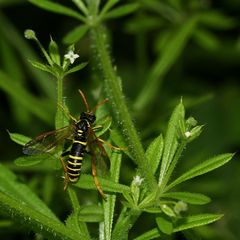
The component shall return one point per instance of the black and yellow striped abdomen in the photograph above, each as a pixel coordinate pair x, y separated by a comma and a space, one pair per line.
77, 151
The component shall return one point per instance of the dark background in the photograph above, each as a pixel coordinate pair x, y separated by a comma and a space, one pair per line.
205, 75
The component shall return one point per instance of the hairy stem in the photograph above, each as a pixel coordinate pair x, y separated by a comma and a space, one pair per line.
59, 119
114, 92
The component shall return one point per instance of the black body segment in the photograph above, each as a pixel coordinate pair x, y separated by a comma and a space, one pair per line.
77, 151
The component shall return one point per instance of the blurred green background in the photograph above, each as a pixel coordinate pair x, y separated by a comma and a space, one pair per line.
204, 72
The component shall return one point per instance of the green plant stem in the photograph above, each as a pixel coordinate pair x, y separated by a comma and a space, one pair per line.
114, 92
81, 226
124, 223
59, 120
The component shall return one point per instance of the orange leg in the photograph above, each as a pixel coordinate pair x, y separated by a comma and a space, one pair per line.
94, 174
66, 178
110, 145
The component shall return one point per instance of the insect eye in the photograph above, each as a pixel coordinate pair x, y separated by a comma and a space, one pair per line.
92, 118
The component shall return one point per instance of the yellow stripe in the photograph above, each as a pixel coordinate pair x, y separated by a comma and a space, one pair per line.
75, 157
73, 169
80, 131
83, 143
73, 180
74, 174
75, 164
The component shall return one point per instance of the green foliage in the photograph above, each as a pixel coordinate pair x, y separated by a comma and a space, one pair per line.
148, 174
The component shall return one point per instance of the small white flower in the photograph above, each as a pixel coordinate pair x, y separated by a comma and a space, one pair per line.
137, 181
71, 56
180, 206
187, 134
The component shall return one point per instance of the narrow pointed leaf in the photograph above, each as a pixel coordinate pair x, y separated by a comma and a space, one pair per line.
152, 234
76, 34
154, 153
164, 62
81, 5
76, 68
35, 220
54, 52
28, 161
203, 168
21, 193
121, 11
25, 99
171, 139
196, 221
41, 66
19, 138
206, 39
57, 8
192, 198
217, 20
109, 205
109, 4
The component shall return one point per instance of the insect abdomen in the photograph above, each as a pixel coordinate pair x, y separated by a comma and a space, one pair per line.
76, 157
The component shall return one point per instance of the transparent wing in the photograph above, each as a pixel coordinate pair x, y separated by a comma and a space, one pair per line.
99, 155
48, 141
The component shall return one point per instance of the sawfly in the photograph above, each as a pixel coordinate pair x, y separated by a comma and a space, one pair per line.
83, 140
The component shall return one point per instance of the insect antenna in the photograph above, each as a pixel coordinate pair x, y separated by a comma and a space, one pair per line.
84, 100
99, 104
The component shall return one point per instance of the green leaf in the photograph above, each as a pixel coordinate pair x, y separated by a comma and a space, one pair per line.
25, 51
206, 39
57, 8
19, 138
154, 153
202, 168
21, 192
164, 62
80, 4
192, 198
121, 11
76, 34
109, 205
41, 66
152, 234
168, 211
21, 212
86, 182
105, 124
217, 20
91, 213
76, 68
25, 99
195, 221
147, 201
54, 52
171, 140
154, 210
29, 160
119, 140
72, 221
164, 225
108, 5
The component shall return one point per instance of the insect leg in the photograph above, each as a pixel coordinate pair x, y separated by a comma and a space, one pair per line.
110, 145
94, 174
67, 113
66, 178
